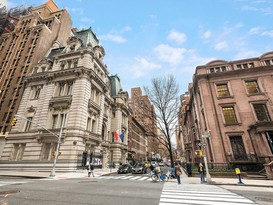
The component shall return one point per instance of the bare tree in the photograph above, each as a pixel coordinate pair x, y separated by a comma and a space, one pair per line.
163, 94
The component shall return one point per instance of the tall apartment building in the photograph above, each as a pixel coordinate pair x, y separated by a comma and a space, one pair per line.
70, 89
22, 48
144, 113
10, 18
137, 141
230, 111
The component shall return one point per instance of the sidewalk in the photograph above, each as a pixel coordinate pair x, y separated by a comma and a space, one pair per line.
102, 172
58, 175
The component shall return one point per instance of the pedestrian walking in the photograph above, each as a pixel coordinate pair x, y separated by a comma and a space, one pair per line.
201, 171
90, 169
178, 172
188, 167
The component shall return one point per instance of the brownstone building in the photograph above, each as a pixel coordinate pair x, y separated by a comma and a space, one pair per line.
137, 141
230, 111
21, 49
144, 114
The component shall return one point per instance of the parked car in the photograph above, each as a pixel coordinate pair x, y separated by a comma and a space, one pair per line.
139, 169
125, 169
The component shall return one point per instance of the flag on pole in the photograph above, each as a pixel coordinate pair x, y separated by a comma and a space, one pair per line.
115, 133
121, 136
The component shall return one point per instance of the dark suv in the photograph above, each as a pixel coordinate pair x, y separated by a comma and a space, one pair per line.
124, 169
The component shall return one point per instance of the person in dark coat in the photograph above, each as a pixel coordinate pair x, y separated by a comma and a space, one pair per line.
178, 172
188, 167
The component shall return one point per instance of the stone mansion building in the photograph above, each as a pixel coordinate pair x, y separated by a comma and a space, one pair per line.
228, 113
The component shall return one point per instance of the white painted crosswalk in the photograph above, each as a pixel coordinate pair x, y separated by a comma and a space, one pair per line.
140, 178
199, 194
5, 183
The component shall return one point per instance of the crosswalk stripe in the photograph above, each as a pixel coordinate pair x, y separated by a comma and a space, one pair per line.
4, 183
173, 194
200, 194
134, 178
209, 198
140, 178
168, 201
143, 178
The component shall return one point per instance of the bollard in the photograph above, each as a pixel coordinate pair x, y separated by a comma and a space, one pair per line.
238, 173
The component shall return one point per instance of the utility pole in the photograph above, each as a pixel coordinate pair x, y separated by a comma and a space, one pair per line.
52, 174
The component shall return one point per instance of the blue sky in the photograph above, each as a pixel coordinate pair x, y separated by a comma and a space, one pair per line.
149, 38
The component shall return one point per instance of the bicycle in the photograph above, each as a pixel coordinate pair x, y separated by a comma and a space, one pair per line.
155, 177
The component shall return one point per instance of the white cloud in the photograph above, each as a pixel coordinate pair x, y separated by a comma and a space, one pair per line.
256, 9
114, 38
86, 20
254, 30
169, 54
267, 33
142, 67
243, 54
177, 36
222, 45
153, 16
125, 29
75, 10
206, 34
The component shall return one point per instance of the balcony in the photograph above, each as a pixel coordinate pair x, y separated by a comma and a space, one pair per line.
60, 101
93, 106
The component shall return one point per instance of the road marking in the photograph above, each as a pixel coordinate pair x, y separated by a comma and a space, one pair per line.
175, 194
5, 183
134, 178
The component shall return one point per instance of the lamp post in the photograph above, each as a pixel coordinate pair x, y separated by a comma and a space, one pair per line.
203, 145
52, 174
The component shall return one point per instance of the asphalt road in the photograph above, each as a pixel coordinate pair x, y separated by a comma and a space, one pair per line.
81, 191
260, 195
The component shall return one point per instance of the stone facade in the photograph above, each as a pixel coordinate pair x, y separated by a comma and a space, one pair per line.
230, 111
22, 48
69, 91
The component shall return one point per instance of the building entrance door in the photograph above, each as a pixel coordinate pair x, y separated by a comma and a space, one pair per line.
238, 148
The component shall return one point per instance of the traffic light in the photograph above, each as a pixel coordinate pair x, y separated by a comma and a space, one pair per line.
198, 153
13, 121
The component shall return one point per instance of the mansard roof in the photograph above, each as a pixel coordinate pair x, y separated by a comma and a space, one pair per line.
87, 36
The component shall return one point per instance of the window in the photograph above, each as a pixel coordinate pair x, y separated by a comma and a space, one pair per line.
28, 124
252, 87
269, 137
37, 91
18, 151
88, 126
93, 125
229, 115
57, 120
69, 89
238, 147
222, 90
261, 112
48, 151
61, 89
54, 121
267, 62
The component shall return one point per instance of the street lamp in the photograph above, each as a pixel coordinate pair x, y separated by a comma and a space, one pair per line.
52, 174
203, 145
